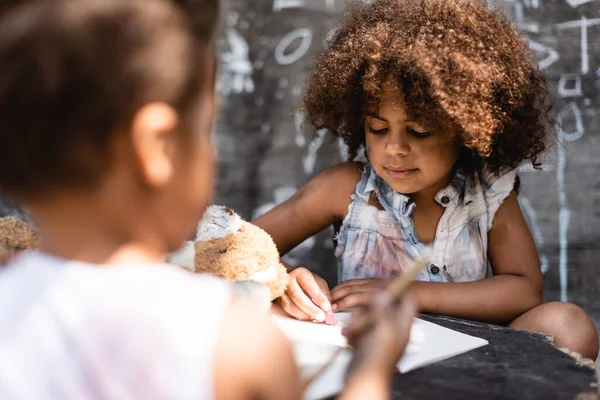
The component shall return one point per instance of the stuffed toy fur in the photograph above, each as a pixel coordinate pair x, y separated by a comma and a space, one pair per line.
16, 236
229, 247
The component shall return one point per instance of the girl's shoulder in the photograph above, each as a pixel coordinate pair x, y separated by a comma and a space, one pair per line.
347, 172
338, 183
339, 179
495, 189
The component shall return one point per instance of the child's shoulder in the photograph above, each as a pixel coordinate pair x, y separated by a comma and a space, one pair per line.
344, 175
332, 189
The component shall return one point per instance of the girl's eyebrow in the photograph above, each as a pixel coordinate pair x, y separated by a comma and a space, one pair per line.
374, 115
377, 116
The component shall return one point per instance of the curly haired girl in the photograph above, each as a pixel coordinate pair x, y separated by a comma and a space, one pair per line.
447, 100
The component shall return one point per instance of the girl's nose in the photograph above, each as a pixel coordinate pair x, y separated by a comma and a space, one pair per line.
397, 144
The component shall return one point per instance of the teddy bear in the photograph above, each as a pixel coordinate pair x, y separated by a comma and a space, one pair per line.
16, 236
229, 247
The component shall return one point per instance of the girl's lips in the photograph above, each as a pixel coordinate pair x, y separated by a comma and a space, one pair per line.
400, 173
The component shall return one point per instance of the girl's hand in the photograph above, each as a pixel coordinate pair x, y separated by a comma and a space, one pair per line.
356, 292
381, 345
307, 296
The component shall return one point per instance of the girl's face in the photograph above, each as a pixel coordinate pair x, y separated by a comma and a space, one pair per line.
407, 154
193, 161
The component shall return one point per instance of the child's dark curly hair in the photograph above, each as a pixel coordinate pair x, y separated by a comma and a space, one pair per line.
462, 69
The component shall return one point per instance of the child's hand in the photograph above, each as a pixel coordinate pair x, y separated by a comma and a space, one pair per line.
356, 292
307, 296
381, 345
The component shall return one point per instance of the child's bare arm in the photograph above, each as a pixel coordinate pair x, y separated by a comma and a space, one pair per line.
516, 286
315, 206
319, 203
253, 360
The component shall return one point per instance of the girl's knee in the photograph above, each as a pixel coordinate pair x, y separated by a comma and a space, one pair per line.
570, 326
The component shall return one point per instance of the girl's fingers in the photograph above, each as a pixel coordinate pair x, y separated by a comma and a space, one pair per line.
353, 299
366, 285
299, 295
354, 282
324, 287
308, 284
292, 309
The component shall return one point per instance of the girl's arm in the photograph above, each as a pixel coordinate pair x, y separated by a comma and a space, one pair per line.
323, 200
315, 206
260, 365
252, 359
516, 286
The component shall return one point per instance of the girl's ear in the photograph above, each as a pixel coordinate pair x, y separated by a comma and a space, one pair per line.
152, 135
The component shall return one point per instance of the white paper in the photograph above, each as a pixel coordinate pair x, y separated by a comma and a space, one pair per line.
314, 343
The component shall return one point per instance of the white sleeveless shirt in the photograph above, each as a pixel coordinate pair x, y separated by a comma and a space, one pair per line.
70, 330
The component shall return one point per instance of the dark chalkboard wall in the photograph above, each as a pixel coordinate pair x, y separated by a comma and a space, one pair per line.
265, 152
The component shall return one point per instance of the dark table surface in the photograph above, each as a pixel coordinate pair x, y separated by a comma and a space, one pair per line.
514, 365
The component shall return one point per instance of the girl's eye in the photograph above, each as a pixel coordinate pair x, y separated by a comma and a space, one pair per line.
378, 131
419, 134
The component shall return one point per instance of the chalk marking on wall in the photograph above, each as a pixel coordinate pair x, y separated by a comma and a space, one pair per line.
232, 18
344, 150
583, 24
535, 228
298, 122
265, 128
236, 76
279, 5
564, 216
571, 108
551, 57
258, 64
328, 36
519, 18
564, 81
305, 35
532, 3
311, 156
577, 3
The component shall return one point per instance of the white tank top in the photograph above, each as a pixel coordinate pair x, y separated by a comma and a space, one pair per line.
70, 330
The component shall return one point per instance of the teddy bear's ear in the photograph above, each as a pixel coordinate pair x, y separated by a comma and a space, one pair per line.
16, 236
218, 222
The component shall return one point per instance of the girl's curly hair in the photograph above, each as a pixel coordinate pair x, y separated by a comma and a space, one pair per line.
462, 69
